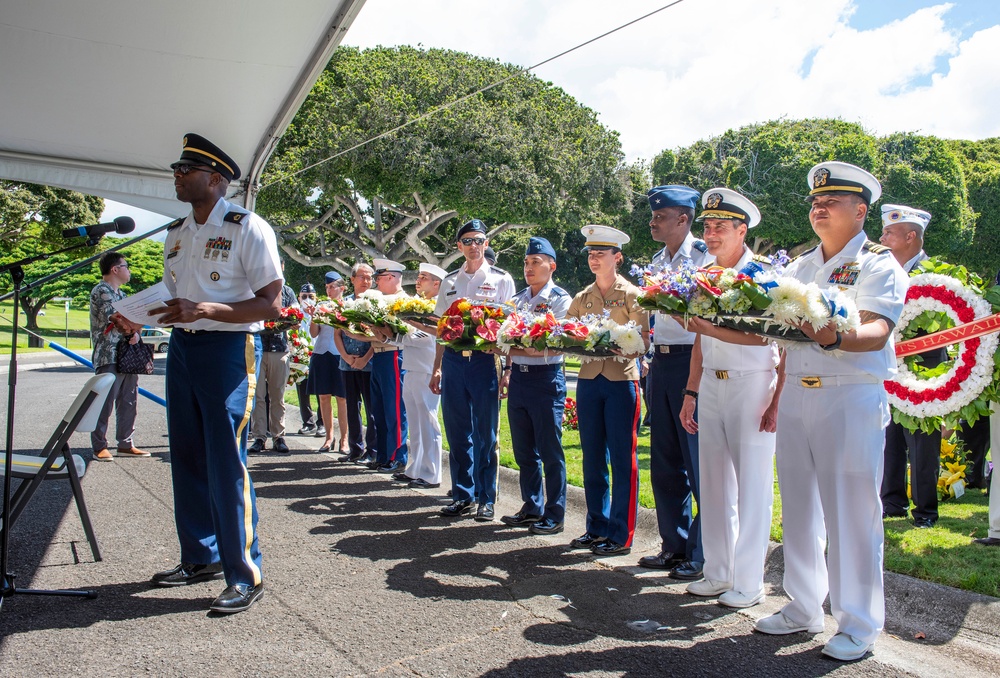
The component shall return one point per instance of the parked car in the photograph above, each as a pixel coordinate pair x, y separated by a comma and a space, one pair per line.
158, 337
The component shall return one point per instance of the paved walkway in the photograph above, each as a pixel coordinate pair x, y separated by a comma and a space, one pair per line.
365, 578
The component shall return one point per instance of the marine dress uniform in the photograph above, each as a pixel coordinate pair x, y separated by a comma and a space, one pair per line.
470, 385
735, 458
210, 381
673, 452
536, 402
607, 407
831, 422
424, 466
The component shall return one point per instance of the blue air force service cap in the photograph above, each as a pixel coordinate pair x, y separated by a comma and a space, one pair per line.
332, 276
725, 203
307, 289
472, 226
540, 246
603, 237
834, 176
197, 150
901, 214
672, 196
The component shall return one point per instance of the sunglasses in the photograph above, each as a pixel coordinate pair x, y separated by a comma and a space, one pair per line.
185, 169
473, 241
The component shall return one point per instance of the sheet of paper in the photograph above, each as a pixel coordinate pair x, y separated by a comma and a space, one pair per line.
136, 307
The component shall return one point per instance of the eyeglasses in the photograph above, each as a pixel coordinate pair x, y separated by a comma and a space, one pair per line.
473, 241
124, 264
185, 169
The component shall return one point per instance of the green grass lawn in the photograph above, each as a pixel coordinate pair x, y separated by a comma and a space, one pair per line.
52, 326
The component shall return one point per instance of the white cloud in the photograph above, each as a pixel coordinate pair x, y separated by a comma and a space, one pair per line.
704, 66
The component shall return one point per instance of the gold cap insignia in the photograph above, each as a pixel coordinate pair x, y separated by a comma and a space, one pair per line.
894, 216
713, 201
820, 177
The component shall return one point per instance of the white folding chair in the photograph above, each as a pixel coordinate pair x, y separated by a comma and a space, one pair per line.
56, 461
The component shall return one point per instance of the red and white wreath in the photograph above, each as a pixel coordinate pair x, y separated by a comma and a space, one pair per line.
972, 370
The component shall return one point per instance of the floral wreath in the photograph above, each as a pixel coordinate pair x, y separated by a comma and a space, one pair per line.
943, 397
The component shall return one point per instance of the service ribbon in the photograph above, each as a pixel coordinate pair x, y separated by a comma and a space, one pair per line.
977, 328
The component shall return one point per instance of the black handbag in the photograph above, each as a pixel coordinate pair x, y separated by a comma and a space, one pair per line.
134, 358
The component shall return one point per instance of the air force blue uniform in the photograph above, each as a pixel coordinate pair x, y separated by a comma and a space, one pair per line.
535, 406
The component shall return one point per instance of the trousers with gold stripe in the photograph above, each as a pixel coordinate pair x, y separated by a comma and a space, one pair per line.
211, 378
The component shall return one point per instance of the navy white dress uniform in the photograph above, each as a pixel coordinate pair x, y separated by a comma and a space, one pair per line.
831, 421
422, 403
736, 458
673, 452
607, 408
922, 450
470, 385
536, 402
211, 376
388, 376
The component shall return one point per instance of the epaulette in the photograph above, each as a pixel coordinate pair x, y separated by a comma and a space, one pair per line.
236, 217
700, 246
875, 248
174, 224
453, 273
498, 271
762, 259
811, 249
560, 292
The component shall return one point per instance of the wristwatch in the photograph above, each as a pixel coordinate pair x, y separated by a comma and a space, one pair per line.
834, 346
689, 392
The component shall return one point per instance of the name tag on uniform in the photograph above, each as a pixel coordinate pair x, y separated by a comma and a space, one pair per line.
847, 274
448, 294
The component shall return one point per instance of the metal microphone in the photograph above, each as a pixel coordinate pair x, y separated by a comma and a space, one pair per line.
119, 225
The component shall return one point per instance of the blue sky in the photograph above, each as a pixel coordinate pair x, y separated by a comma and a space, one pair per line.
890, 65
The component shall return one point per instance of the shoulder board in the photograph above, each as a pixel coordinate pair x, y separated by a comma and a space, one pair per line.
762, 259
811, 249
523, 292
453, 273
174, 224
700, 246
498, 271
559, 292
875, 248
236, 217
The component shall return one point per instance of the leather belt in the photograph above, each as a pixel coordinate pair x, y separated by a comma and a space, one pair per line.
837, 380
384, 349
673, 348
517, 367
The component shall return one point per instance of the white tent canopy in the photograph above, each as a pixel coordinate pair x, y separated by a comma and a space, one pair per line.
96, 96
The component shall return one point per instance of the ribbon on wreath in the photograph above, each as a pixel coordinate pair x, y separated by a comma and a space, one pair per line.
977, 328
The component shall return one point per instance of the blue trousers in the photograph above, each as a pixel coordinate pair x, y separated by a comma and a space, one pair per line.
388, 408
673, 456
535, 405
608, 412
211, 377
470, 407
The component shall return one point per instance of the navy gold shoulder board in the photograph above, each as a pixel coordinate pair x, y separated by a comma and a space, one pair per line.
453, 273
498, 271
875, 248
174, 224
762, 259
811, 249
700, 246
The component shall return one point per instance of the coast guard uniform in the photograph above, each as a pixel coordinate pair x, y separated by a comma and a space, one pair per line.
211, 376
536, 402
607, 407
470, 389
673, 452
831, 421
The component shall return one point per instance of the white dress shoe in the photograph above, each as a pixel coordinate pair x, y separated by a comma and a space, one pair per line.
779, 625
846, 648
708, 587
740, 599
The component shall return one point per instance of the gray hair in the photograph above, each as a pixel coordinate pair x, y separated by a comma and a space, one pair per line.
357, 267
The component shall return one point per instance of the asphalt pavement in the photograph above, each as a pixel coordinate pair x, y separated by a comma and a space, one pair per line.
365, 578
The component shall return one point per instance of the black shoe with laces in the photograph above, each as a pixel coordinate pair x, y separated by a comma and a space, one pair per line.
257, 447
520, 519
586, 541
237, 598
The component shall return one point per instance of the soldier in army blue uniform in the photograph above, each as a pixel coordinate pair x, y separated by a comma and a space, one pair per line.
468, 381
673, 452
536, 401
221, 266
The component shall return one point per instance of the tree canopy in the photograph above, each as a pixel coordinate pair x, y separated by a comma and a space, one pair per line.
521, 153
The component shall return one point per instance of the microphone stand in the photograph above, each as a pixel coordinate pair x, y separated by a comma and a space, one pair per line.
16, 270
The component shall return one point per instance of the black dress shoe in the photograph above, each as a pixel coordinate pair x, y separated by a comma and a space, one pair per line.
257, 447
421, 484
402, 478
687, 571
520, 519
280, 446
923, 523
373, 465
485, 512
610, 548
237, 598
451, 493
457, 508
392, 467
665, 560
893, 514
545, 526
987, 541
364, 460
586, 541
187, 573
